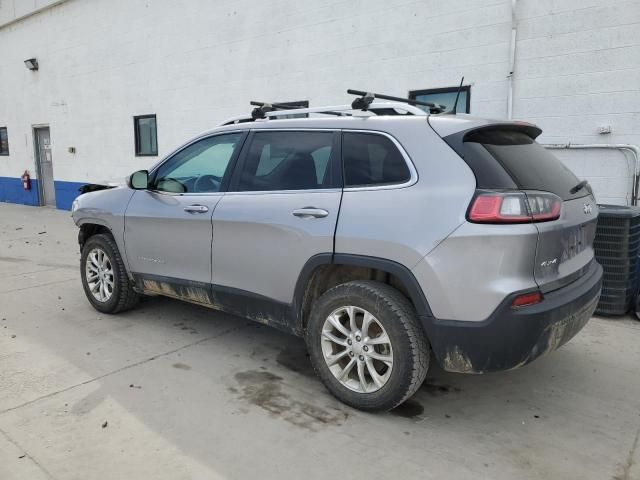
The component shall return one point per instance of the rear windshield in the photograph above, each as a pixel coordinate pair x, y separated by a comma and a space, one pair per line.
527, 164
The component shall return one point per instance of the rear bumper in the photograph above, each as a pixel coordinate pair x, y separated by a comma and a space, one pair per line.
511, 338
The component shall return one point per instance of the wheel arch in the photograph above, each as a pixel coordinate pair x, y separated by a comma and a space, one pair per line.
91, 227
326, 270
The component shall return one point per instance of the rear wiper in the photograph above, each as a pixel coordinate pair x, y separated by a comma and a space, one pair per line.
579, 187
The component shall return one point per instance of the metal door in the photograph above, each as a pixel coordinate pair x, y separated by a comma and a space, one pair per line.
261, 240
262, 237
45, 166
168, 233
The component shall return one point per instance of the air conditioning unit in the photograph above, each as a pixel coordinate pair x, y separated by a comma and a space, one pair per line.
617, 245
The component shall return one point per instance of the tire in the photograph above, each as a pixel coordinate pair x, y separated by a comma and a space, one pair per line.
120, 296
407, 347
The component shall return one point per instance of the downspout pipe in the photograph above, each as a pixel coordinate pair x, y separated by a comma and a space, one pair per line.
625, 147
512, 57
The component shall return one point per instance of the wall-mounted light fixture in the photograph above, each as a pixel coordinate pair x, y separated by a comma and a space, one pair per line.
31, 64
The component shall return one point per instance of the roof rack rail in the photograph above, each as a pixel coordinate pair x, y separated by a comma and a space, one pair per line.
366, 99
263, 108
347, 110
375, 108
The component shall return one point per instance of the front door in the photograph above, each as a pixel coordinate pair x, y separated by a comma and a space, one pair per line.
168, 227
44, 165
281, 210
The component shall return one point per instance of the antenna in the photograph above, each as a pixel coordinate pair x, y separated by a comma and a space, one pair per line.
455, 105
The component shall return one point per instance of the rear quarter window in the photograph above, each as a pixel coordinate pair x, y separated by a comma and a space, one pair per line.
372, 159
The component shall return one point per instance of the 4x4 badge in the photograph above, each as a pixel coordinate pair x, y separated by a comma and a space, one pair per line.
587, 208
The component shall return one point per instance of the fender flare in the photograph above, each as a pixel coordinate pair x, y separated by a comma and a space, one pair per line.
405, 275
90, 221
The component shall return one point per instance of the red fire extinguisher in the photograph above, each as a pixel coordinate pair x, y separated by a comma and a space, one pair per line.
26, 180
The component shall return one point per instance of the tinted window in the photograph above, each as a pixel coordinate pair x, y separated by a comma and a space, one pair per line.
287, 161
371, 159
4, 141
198, 168
146, 135
528, 164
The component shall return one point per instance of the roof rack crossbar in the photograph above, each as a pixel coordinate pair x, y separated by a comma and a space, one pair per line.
277, 106
367, 98
263, 107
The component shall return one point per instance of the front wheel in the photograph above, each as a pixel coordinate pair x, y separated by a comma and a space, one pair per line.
104, 276
366, 345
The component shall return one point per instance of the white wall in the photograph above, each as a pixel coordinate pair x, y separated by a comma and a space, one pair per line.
578, 68
197, 62
13, 10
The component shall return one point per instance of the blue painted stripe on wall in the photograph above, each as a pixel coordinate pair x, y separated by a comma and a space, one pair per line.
11, 191
66, 192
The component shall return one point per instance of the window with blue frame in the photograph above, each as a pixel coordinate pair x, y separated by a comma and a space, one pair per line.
444, 96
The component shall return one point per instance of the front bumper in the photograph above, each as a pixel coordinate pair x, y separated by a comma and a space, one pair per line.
511, 338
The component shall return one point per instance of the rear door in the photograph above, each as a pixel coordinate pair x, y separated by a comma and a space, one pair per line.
565, 246
281, 210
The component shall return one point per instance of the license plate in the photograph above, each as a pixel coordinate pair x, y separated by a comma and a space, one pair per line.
575, 242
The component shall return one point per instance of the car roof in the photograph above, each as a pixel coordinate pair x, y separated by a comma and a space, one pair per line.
443, 124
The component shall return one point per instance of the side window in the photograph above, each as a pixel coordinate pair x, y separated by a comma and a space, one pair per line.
287, 161
198, 168
372, 159
4, 141
146, 135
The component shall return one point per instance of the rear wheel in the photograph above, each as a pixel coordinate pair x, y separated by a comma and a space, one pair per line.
366, 345
104, 276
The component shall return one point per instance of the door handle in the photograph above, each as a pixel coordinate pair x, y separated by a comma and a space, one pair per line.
309, 212
196, 209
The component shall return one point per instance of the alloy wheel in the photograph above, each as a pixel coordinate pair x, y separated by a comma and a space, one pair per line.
99, 275
357, 349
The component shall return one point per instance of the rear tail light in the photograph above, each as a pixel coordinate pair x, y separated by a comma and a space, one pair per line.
514, 207
526, 299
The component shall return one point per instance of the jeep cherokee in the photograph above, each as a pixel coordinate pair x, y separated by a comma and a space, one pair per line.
383, 237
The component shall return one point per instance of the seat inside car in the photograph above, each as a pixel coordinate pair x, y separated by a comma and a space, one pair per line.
299, 172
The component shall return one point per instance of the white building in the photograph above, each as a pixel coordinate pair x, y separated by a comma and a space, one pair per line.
193, 63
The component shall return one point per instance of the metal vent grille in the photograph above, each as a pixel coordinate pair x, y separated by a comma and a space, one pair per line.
617, 245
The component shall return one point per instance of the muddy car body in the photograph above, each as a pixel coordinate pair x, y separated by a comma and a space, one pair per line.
379, 238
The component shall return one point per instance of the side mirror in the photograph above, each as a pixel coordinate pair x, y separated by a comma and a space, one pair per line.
139, 180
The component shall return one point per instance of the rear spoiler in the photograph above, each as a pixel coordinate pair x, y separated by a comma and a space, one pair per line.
456, 140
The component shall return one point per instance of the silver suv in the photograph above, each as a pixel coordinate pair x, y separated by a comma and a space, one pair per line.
383, 234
